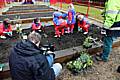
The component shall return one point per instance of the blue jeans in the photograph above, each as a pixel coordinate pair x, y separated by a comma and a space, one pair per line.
107, 47
57, 67
50, 59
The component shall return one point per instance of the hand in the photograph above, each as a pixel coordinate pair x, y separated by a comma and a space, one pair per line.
103, 31
9, 33
70, 22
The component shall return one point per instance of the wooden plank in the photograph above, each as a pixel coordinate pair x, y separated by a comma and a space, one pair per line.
63, 56
26, 11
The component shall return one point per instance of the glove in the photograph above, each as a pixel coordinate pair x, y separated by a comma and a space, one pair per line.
103, 31
9, 33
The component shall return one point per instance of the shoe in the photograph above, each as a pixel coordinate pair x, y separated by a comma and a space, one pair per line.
2, 37
85, 33
56, 36
99, 58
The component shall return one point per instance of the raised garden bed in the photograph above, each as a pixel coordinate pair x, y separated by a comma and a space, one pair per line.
27, 11
66, 41
34, 7
64, 54
27, 15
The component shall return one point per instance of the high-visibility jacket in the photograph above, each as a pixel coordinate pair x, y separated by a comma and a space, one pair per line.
112, 13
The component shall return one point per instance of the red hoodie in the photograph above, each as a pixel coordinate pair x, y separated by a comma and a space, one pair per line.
2, 29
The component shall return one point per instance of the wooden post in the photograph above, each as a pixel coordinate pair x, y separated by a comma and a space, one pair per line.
88, 8
60, 4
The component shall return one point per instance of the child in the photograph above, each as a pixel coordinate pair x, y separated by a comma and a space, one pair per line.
5, 29
59, 23
83, 23
71, 18
36, 25
28, 1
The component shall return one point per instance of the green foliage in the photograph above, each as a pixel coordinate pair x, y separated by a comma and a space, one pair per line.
80, 63
88, 42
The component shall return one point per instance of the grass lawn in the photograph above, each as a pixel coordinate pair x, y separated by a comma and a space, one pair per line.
93, 12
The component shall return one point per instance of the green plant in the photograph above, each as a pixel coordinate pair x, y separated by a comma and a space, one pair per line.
82, 62
88, 42
86, 59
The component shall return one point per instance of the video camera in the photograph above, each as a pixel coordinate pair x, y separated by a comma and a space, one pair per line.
48, 49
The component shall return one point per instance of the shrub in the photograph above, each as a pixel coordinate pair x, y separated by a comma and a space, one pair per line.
82, 62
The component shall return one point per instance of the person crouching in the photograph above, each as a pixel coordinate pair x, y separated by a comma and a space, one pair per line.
59, 24
5, 29
83, 23
36, 25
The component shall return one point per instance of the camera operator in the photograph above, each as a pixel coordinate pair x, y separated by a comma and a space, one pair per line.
27, 61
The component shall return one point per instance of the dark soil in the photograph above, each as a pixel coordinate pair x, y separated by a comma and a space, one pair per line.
99, 70
66, 41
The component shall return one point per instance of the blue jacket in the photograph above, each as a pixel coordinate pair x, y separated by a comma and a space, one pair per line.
72, 12
28, 63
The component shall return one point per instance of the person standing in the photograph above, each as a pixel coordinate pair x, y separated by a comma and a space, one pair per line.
27, 61
111, 27
71, 18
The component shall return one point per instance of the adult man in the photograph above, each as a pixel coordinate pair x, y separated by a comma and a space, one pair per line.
27, 62
5, 29
111, 26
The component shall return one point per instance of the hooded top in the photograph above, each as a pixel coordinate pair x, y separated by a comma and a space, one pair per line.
3, 28
56, 16
28, 63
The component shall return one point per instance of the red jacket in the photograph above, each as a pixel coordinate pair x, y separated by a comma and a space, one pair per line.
36, 26
2, 28
83, 22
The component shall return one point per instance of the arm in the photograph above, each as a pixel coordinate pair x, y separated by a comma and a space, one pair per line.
1, 28
10, 28
33, 26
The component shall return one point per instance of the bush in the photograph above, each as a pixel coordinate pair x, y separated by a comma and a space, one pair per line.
82, 62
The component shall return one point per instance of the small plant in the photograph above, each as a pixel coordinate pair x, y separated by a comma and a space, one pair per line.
88, 42
84, 61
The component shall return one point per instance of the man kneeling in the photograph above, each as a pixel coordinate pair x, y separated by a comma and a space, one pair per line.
27, 62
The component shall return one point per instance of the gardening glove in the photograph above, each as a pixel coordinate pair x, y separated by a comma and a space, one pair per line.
9, 33
103, 31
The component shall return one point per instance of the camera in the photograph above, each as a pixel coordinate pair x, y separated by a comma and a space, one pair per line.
48, 49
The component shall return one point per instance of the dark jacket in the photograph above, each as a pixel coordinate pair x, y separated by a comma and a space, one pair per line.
27, 63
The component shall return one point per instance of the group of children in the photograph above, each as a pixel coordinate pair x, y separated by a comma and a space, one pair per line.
60, 24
